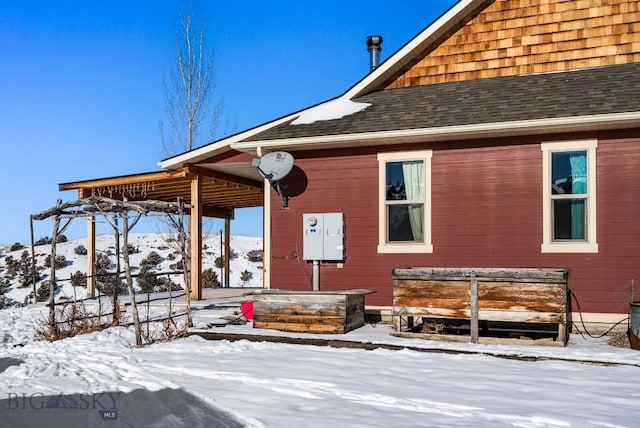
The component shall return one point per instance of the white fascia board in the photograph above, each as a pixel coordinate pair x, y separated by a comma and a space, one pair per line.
428, 36
483, 130
220, 146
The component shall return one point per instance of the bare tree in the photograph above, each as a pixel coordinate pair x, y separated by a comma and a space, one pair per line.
189, 104
188, 93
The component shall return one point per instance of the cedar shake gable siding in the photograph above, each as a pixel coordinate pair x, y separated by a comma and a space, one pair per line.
583, 92
515, 37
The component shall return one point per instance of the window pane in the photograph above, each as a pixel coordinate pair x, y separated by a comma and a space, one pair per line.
569, 173
400, 227
395, 182
405, 180
569, 220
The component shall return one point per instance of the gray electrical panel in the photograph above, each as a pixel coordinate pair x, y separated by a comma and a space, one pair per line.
323, 236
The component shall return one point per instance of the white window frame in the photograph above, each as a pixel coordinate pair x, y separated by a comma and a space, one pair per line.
404, 247
548, 244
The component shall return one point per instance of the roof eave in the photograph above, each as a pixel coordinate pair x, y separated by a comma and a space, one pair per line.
202, 153
447, 133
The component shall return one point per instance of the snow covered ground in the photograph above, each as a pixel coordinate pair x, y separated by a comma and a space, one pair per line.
101, 379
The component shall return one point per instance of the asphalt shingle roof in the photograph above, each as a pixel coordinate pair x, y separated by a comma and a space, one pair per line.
590, 91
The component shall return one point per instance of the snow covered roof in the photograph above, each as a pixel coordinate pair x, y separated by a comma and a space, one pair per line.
331, 110
592, 98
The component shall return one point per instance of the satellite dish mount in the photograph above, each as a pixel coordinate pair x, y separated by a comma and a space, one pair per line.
274, 167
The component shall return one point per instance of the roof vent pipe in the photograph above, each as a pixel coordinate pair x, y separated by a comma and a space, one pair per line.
374, 47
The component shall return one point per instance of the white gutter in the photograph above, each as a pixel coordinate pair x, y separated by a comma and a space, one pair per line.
483, 130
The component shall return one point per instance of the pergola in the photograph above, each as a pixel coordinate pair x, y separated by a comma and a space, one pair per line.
209, 193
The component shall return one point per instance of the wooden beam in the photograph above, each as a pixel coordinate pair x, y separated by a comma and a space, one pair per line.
123, 179
193, 169
195, 236
218, 212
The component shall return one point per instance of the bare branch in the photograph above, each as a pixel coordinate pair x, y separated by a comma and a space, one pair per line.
189, 93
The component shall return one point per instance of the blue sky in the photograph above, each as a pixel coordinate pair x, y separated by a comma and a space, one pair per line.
81, 83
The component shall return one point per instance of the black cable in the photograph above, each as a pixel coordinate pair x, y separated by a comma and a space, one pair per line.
585, 327
295, 254
243, 314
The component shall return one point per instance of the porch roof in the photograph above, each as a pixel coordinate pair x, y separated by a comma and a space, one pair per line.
220, 194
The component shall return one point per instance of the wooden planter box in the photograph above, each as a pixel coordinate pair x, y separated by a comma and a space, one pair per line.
309, 311
477, 295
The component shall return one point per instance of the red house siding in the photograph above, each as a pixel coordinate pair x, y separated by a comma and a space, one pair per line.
486, 211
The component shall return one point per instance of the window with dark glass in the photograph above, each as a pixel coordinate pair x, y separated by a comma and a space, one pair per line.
405, 200
569, 195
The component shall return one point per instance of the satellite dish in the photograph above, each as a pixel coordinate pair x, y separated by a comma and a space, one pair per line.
274, 167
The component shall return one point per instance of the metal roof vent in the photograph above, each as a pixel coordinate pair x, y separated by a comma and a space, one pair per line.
374, 46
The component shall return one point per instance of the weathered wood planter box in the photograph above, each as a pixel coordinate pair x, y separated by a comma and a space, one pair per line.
309, 311
481, 296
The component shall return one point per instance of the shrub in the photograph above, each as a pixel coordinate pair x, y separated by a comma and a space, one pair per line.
60, 261
12, 266
210, 279
152, 259
219, 262
43, 241
110, 285
79, 279
42, 293
246, 276
103, 263
25, 270
132, 249
73, 318
17, 246
61, 238
179, 265
80, 250
165, 285
147, 280
6, 302
254, 256
4, 285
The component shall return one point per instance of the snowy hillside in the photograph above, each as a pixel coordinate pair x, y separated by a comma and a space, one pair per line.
143, 244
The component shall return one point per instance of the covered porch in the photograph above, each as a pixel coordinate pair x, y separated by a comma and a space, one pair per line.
209, 193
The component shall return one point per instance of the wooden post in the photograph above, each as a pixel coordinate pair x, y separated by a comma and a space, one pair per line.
474, 308
33, 265
52, 278
91, 256
195, 237
185, 256
127, 273
227, 251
